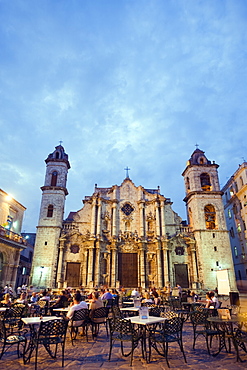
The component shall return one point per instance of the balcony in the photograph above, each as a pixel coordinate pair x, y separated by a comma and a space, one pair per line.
11, 238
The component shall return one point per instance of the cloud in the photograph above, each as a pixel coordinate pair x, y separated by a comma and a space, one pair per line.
134, 83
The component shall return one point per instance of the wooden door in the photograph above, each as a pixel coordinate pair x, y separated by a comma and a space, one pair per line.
128, 269
73, 274
181, 275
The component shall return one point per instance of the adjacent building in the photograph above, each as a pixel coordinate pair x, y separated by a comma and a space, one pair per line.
235, 204
11, 241
128, 235
26, 258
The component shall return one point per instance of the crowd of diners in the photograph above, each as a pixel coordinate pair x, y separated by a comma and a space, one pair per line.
70, 297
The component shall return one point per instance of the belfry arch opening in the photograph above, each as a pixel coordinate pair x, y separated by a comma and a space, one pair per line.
54, 178
210, 216
205, 182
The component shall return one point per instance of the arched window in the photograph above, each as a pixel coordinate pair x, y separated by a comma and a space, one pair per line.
57, 155
50, 210
210, 216
205, 182
54, 178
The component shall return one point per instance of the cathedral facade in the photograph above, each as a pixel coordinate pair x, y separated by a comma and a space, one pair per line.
127, 235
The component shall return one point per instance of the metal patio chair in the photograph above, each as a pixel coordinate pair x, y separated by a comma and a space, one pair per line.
80, 319
168, 332
98, 317
201, 326
50, 334
124, 331
8, 339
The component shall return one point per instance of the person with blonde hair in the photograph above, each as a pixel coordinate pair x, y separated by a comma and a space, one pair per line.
6, 302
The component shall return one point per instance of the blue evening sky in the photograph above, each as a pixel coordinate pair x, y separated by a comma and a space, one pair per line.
122, 83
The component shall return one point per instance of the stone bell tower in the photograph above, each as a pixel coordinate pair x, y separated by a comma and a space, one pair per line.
49, 228
206, 218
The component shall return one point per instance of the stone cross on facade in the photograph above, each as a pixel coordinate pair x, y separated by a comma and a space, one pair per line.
127, 171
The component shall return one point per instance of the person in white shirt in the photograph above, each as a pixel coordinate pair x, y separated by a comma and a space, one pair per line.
214, 300
135, 293
76, 305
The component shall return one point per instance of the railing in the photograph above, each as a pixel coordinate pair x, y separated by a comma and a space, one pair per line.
10, 235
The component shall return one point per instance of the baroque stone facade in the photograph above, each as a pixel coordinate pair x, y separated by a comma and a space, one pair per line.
127, 235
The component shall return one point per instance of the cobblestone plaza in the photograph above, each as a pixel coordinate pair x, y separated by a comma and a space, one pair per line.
94, 355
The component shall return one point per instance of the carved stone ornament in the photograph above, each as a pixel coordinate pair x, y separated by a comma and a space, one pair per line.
128, 248
179, 251
74, 248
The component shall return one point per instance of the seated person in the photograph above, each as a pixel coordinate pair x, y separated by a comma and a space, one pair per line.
45, 296
156, 297
106, 295
60, 302
135, 293
194, 296
95, 303
209, 301
22, 299
215, 300
76, 305
6, 302
34, 298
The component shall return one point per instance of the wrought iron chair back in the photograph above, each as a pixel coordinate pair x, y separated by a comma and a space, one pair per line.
8, 339
201, 326
50, 334
12, 317
155, 311
79, 315
80, 319
124, 331
116, 312
171, 331
169, 314
99, 316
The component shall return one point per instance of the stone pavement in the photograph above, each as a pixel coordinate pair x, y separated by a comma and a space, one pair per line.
94, 355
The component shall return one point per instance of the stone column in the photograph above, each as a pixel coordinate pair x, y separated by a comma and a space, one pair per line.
193, 262
163, 225
113, 266
84, 269
169, 267
157, 220
90, 265
93, 219
159, 266
97, 265
142, 267
164, 250
142, 218
60, 265
114, 221
99, 218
